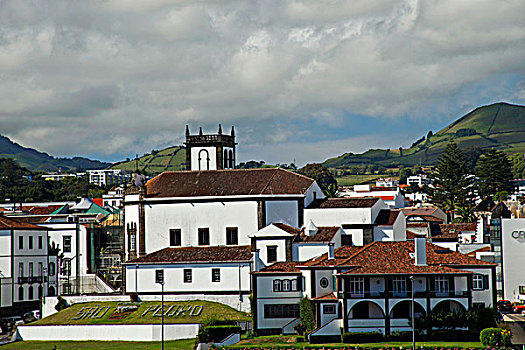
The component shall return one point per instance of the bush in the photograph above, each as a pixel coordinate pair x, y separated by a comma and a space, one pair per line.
362, 337
495, 337
216, 333
62, 304
133, 297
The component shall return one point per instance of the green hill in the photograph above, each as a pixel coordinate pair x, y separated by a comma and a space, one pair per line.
500, 126
39, 161
156, 162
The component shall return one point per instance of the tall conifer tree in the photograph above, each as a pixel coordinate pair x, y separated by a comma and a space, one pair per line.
452, 184
494, 172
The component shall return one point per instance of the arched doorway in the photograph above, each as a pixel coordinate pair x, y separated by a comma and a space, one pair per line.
51, 291
204, 160
447, 306
366, 310
403, 310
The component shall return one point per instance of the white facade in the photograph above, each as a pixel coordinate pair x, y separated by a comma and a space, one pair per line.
512, 249
106, 177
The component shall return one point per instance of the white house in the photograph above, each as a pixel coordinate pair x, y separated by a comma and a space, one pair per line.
28, 271
213, 273
212, 208
361, 289
392, 196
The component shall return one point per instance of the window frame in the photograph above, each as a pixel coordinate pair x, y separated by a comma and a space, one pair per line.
357, 285
215, 275
232, 236
175, 237
273, 250
20, 242
187, 276
203, 236
329, 309
442, 284
40, 242
477, 281
64, 245
30, 242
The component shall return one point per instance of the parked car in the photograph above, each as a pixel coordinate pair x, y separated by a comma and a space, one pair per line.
518, 309
31, 316
504, 305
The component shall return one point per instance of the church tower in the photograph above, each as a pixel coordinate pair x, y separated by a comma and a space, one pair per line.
210, 152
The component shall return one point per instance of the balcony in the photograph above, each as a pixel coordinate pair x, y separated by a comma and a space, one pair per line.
30, 280
403, 295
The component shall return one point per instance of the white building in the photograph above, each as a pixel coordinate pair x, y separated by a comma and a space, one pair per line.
105, 177
28, 271
368, 289
114, 197
212, 208
418, 180
392, 196
513, 259
211, 273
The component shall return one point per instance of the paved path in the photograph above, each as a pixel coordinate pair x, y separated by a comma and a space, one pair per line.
516, 324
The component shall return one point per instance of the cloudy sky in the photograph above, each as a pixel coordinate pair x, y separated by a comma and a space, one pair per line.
303, 80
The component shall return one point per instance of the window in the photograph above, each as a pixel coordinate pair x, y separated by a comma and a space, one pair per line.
357, 285
232, 236
20, 293
40, 240
441, 284
346, 239
277, 286
40, 269
215, 275
21, 269
204, 236
66, 288
271, 253
30, 293
295, 285
175, 237
187, 276
66, 243
287, 285
329, 309
52, 269
522, 289
66, 267
281, 311
30, 269
477, 281
132, 242
30, 243
324, 282
20, 242
399, 284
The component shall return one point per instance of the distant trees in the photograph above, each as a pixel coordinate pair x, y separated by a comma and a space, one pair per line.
518, 165
320, 174
494, 172
453, 184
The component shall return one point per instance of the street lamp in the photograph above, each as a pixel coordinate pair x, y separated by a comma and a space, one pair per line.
159, 278
413, 325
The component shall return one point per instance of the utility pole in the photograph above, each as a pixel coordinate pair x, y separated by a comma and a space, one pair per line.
159, 278
413, 325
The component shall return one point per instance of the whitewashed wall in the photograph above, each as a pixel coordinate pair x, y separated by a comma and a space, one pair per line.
286, 212
264, 243
513, 257
201, 278
188, 217
128, 332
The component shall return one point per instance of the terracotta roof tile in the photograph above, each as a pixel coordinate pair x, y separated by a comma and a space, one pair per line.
227, 183
12, 223
287, 228
366, 202
451, 231
44, 210
282, 267
340, 254
197, 255
386, 217
324, 234
327, 296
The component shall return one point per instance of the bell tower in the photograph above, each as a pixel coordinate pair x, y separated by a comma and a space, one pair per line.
210, 151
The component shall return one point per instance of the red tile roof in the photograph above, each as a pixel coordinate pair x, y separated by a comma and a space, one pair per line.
387, 217
366, 202
196, 255
282, 267
227, 183
324, 234
326, 296
412, 235
452, 231
44, 210
12, 223
287, 228
394, 258
472, 254
340, 254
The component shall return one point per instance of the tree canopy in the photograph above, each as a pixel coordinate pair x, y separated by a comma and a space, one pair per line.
494, 172
320, 174
453, 184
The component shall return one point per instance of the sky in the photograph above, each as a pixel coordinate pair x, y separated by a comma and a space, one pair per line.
301, 81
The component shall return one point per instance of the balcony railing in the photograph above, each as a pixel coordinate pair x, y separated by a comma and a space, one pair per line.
30, 280
417, 294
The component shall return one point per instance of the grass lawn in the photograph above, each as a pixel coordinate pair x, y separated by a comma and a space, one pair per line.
350, 180
183, 344
194, 311
285, 342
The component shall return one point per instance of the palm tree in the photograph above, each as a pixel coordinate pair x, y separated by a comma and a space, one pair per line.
465, 214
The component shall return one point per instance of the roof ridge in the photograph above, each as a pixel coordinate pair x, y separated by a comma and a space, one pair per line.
269, 180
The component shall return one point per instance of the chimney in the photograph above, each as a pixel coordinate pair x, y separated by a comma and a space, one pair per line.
331, 251
220, 129
257, 262
420, 251
310, 229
